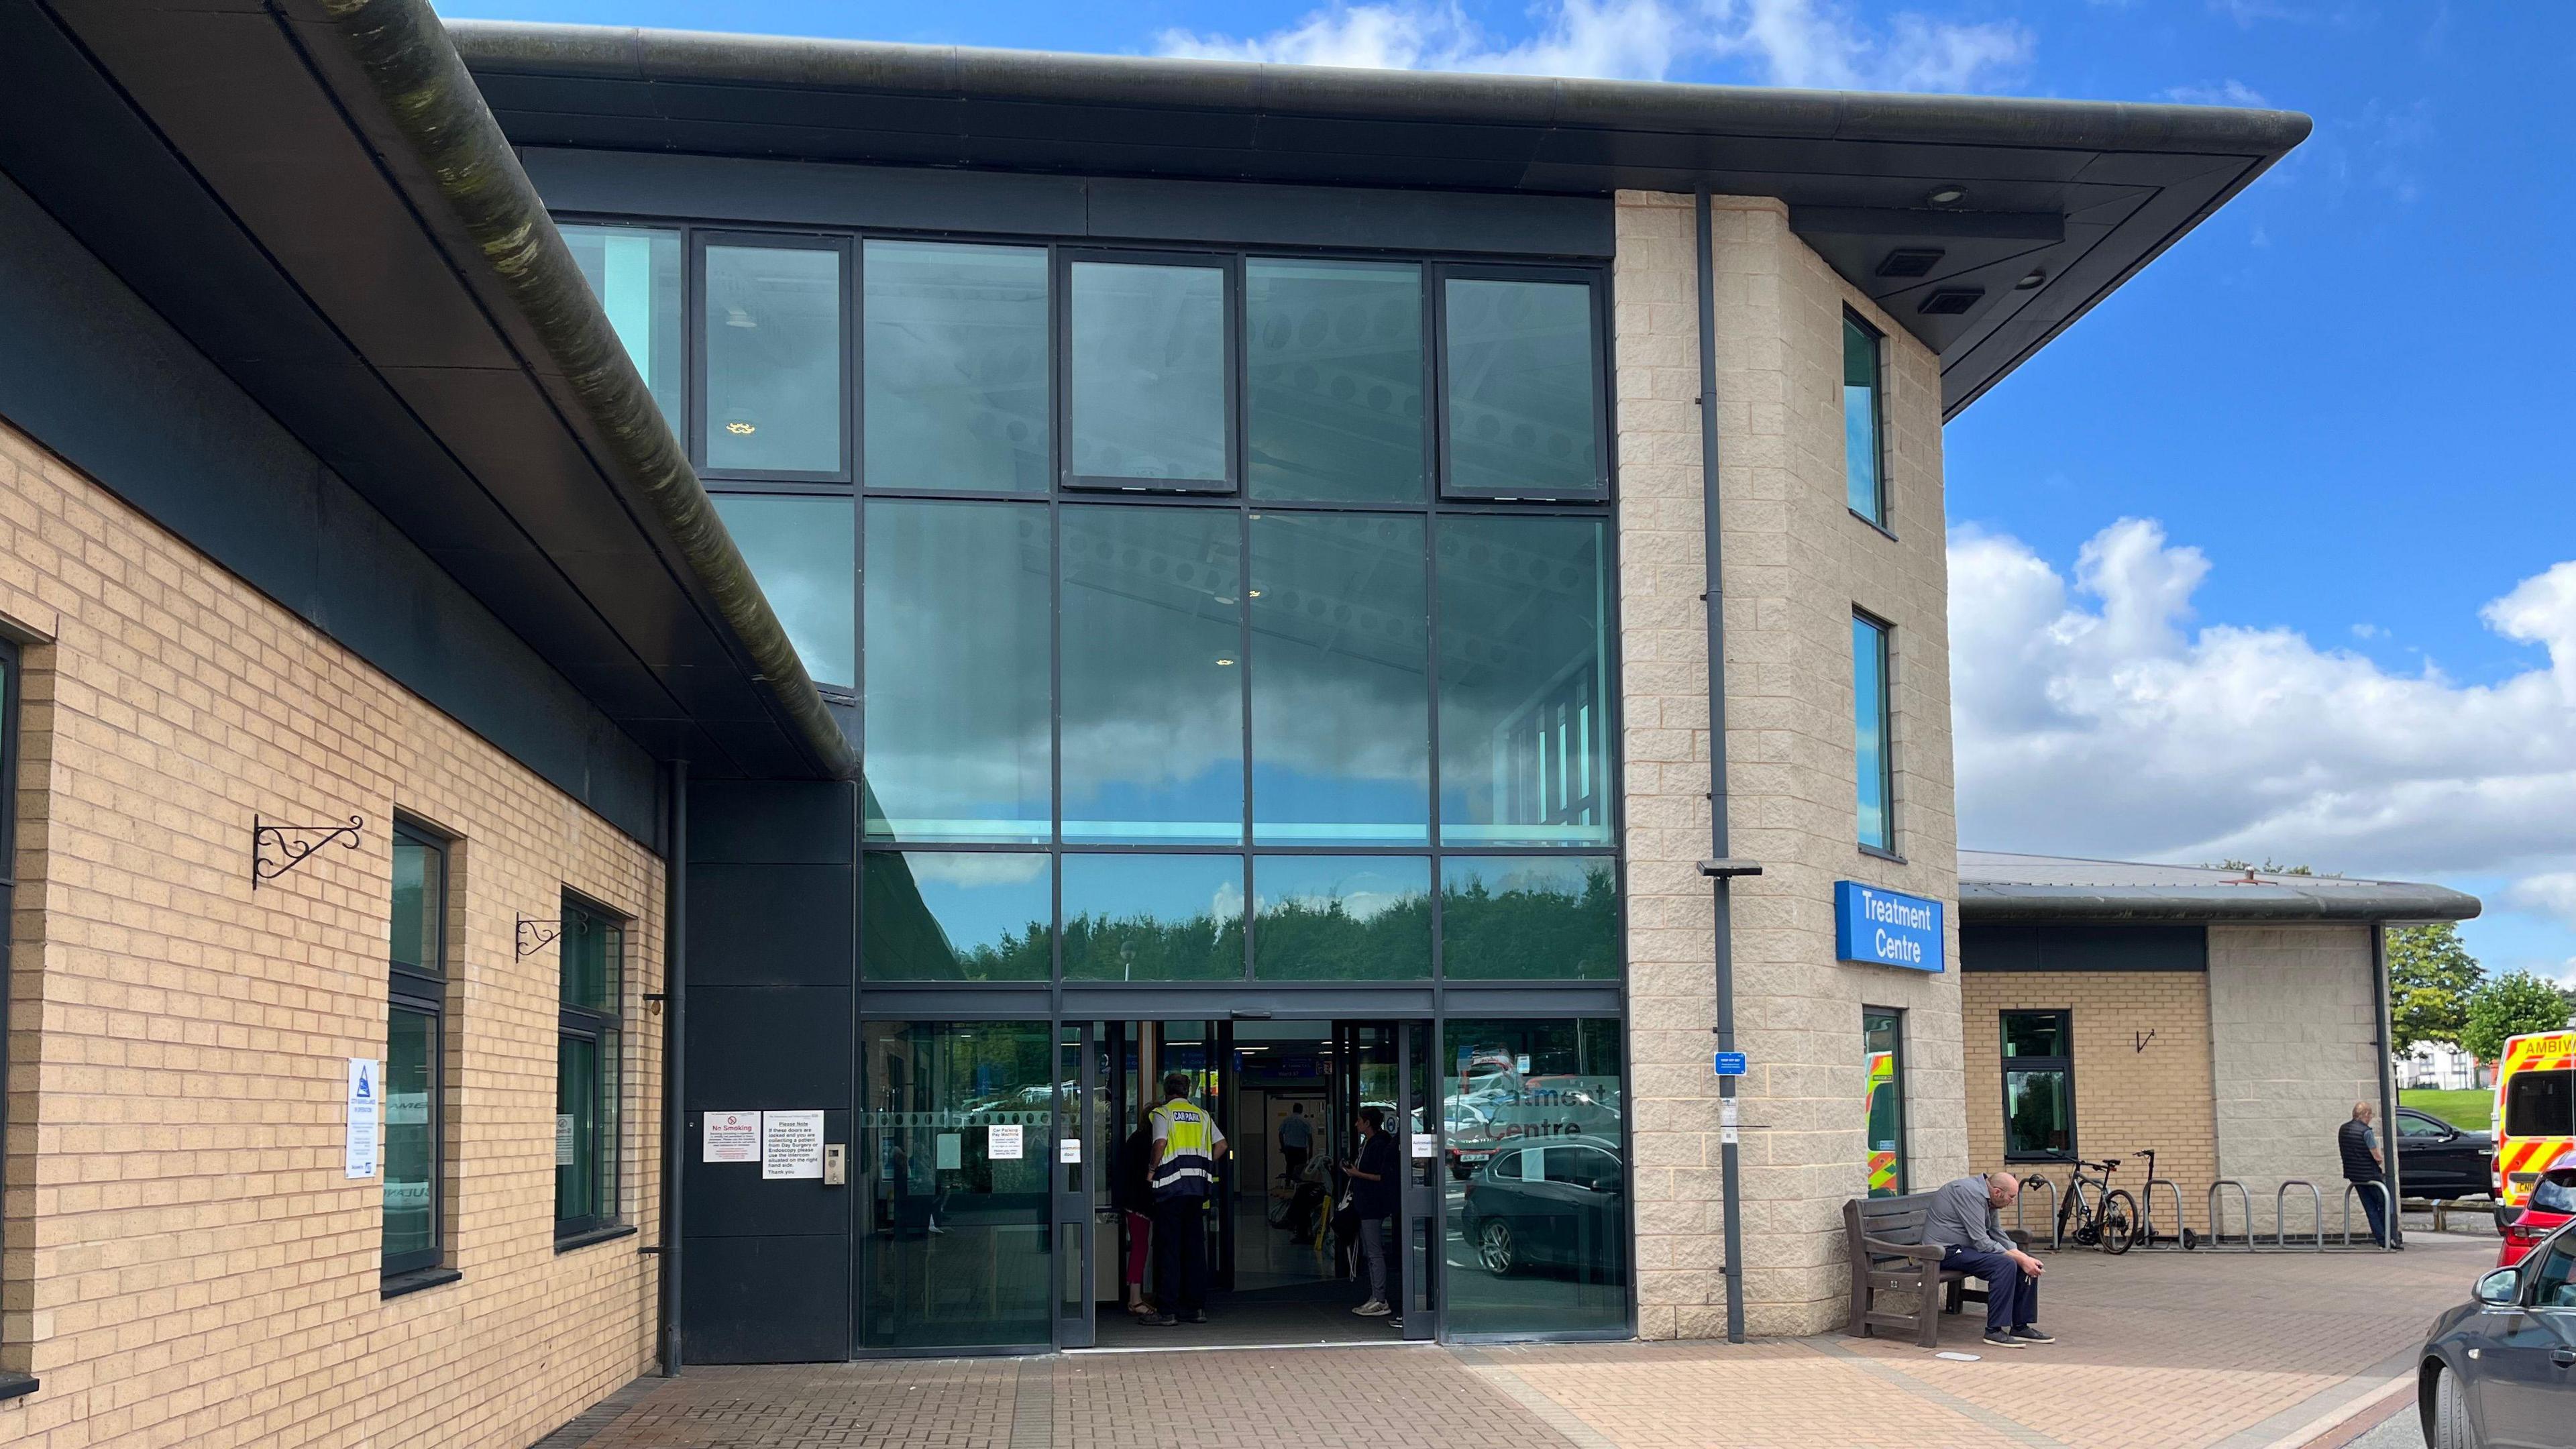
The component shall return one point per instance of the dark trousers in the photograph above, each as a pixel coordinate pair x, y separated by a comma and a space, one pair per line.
1293, 1160
2374, 1201
2012, 1296
1180, 1255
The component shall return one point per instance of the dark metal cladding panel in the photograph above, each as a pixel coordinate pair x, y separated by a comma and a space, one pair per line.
636, 183
1110, 125
769, 1046
2083, 946
729, 1200
817, 110
1494, 146
766, 1300
769, 822
772, 925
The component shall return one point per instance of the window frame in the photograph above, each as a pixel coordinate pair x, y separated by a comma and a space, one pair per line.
1228, 265
2063, 1063
697, 242
599, 1027
1885, 633
408, 988
1882, 494
1437, 277
13, 685
1895, 1016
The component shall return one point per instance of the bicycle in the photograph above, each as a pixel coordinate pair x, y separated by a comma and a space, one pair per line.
2105, 1218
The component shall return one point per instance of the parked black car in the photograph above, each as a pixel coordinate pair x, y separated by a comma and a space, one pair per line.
2499, 1372
1553, 1201
2438, 1160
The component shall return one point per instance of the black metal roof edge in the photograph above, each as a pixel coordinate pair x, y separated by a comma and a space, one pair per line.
1388, 95
2372, 901
433, 104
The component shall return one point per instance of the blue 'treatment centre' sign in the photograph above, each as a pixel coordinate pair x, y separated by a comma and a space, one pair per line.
1886, 928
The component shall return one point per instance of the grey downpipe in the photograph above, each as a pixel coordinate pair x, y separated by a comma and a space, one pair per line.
675, 996
1721, 878
2379, 1026
434, 106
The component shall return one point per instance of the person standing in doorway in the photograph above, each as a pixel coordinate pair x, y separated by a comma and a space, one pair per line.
2358, 1144
1187, 1148
1131, 1191
1296, 1142
1374, 1184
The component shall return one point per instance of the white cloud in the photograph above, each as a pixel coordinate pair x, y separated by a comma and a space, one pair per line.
2092, 716
2229, 92
1783, 42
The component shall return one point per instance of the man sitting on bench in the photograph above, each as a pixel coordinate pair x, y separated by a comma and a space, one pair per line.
1970, 1233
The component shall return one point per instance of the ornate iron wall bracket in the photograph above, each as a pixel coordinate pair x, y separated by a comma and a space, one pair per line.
277, 849
535, 935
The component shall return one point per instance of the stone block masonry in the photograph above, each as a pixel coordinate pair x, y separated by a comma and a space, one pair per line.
1797, 564
185, 1262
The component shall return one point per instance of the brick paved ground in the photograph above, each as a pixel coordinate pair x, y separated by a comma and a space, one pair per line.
2235, 1350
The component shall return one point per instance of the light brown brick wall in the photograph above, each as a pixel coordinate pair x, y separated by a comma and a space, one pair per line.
1796, 564
2127, 1097
185, 1262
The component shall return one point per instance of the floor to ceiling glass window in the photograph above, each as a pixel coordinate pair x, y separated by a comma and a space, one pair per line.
1207, 616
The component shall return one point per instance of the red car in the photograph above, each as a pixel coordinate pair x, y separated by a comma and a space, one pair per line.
2553, 1203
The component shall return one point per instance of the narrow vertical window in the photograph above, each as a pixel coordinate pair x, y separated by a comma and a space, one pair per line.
415, 1066
773, 359
1883, 1058
1862, 445
1873, 761
8, 882
586, 1078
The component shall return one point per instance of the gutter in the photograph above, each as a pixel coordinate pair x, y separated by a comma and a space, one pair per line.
2385, 904
422, 90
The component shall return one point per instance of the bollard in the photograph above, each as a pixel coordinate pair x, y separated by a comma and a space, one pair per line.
2280, 1220
2218, 1211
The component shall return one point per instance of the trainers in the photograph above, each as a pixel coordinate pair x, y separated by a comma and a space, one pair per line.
1198, 1316
1158, 1320
2032, 1333
1372, 1309
1999, 1338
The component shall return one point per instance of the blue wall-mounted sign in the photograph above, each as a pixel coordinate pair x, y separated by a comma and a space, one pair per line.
1886, 928
1730, 1064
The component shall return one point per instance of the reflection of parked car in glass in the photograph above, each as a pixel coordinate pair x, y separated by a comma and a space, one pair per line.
2552, 1206
1561, 1202
1468, 1135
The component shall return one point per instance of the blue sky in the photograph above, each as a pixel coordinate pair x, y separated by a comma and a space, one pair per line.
2324, 415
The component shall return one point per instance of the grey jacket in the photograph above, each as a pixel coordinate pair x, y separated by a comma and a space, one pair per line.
1963, 1218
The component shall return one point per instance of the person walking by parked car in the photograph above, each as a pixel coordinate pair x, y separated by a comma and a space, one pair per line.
2366, 1167
1296, 1142
1131, 1191
1967, 1227
1375, 1184
1187, 1148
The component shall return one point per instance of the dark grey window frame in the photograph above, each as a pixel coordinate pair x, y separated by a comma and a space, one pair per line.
1886, 737
2064, 1062
695, 243
595, 1025
1436, 280
1228, 265
13, 685
409, 989
1885, 487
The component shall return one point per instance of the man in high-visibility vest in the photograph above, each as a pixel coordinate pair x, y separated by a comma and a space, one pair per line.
1187, 1148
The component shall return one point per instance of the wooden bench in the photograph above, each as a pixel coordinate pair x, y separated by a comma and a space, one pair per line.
1888, 1255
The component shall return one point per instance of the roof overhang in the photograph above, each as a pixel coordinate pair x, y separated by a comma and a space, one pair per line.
313, 194
2371, 902
2076, 195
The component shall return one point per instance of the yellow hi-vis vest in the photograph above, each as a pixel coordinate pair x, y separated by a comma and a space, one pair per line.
1186, 1166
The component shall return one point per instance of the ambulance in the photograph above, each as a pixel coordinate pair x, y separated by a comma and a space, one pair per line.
2535, 1113
1878, 1103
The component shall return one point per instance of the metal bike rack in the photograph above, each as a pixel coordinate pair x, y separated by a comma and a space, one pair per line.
2218, 1212
2147, 1209
2351, 1191
2280, 1219
2027, 1185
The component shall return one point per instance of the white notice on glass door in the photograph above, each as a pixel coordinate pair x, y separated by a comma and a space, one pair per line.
791, 1145
1003, 1145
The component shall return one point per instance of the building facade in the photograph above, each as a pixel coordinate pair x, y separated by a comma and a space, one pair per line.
838, 611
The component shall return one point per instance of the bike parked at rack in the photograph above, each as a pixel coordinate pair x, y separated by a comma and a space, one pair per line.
2095, 1214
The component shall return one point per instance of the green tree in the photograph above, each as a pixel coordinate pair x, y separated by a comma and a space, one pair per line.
2268, 867
2431, 977
2511, 1005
